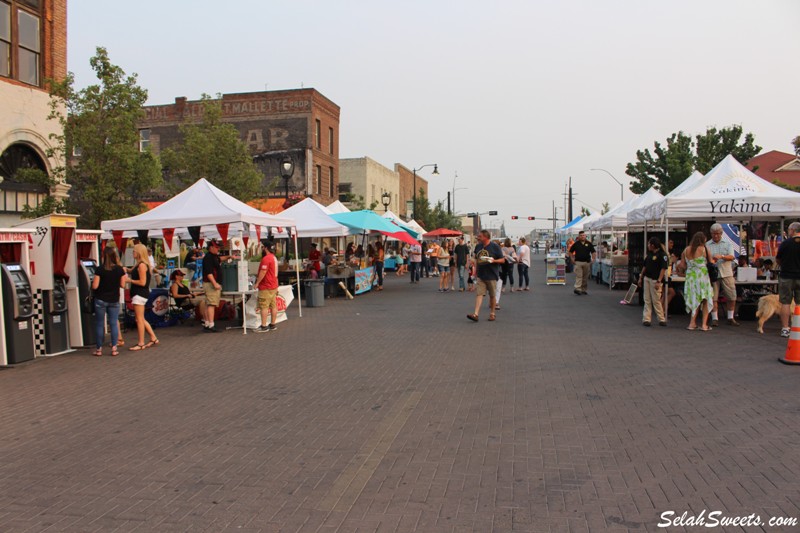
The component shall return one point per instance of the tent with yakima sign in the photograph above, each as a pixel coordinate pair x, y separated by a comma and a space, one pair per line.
729, 192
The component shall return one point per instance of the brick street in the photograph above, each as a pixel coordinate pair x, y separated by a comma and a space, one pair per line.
393, 412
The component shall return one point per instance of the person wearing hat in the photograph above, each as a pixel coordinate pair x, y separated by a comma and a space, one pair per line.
212, 274
267, 284
183, 296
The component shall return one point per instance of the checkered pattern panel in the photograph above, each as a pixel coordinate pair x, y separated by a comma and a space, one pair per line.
38, 324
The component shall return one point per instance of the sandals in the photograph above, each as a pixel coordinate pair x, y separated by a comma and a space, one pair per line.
153, 343
474, 318
114, 351
705, 329
138, 348
98, 352
692, 328
491, 317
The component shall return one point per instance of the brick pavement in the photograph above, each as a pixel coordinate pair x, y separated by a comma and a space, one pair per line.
394, 413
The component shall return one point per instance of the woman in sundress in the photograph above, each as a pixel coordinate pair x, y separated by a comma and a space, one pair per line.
698, 293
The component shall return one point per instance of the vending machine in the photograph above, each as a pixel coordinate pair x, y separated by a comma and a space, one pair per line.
86, 269
17, 313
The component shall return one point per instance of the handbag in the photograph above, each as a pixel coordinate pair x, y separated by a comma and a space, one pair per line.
713, 271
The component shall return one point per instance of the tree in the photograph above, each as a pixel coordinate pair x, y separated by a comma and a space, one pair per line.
100, 122
796, 143
585, 212
42, 182
605, 208
713, 146
666, 168
213, 150
436, 217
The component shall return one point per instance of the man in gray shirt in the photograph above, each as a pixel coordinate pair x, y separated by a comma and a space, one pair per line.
721, 252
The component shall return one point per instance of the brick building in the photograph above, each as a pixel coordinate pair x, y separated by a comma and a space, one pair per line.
366, 178
302, 122
33, 48
777, 166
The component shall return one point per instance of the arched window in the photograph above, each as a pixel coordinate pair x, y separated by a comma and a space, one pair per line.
15, 195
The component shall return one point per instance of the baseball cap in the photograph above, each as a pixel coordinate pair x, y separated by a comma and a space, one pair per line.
214, 242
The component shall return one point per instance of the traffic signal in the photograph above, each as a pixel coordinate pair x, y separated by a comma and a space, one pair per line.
514, 217
531, 218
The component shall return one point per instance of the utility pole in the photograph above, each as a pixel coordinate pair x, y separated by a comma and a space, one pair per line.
569, 218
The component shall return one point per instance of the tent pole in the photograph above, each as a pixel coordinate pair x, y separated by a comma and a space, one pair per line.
297, 272
666, 284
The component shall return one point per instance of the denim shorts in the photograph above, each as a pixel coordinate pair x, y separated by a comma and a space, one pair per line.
444, 268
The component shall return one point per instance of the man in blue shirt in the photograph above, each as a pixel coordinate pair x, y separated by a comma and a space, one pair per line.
721, 252
488, 256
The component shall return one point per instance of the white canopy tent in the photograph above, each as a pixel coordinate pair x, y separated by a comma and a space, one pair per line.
337, 207
313, 220
654, 211
582, 224
205, 206
618, 217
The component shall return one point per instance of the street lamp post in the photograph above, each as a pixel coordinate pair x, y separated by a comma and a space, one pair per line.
414, 196
621, 188
386, 199
287, 169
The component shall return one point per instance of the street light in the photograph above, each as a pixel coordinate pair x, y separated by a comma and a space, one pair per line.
454, 196
386, 199
287, 169
434, 173
621, 189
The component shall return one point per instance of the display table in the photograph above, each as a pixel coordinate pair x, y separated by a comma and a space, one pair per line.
337, 273
610, 273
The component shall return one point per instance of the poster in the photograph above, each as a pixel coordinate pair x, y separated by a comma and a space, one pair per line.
556, 270
365, 278
285, 298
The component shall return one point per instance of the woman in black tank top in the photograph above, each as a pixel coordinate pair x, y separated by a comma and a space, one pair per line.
140, 291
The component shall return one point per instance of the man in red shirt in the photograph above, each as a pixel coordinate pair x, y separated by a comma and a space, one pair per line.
267, 284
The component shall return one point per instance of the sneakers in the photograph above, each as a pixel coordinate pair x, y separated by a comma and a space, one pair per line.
272, 327
646, 324
785, 332
261, 329
212, 329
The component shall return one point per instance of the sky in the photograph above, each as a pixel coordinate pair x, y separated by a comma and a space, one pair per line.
512, 97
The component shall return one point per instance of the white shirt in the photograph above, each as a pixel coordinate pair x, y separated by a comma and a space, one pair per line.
524, 255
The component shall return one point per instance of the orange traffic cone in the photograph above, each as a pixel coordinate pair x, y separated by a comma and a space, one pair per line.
792, 356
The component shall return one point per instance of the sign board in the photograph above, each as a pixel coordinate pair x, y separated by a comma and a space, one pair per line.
556, 270
365, 278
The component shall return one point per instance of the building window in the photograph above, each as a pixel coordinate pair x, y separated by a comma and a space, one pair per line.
318, 134
144, 140
5, 39
21, 40
318, 188
330, 140
331, 184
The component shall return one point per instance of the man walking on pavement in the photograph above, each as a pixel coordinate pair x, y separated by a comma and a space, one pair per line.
583, 255
650, 280
461, 252
788, 258
488, 257
721, 253
415, 262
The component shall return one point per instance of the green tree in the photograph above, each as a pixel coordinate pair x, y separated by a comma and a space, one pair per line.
100, 121
796, 143
665, 168
434, 217
714, 145
585, 212
213, 150
605, 208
